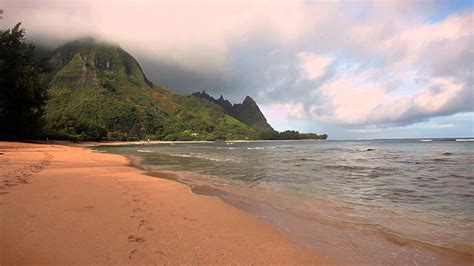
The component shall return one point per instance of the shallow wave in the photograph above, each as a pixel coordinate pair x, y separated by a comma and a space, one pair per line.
145, 151
200, 156
248, 148
179, 155
302, 159
351, 167
261, 148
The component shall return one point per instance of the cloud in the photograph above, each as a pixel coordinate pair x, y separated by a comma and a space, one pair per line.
424, 125
354, 102
313, 65
417, 73
339, 65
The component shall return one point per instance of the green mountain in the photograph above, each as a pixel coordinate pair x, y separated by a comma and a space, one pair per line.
99, 91
246, 112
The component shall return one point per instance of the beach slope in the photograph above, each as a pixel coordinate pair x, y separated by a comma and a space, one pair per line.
61, 204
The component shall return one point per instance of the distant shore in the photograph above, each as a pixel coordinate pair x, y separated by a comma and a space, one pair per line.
63, 204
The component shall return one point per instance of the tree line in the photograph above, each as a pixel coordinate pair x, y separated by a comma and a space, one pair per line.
23, 86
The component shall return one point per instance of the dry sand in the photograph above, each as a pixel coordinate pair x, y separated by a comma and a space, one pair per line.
69, 205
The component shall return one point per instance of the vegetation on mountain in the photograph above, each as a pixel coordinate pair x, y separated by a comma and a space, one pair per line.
99, 91
22, 86
293, 135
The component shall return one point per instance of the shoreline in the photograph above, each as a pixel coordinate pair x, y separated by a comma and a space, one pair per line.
64, 204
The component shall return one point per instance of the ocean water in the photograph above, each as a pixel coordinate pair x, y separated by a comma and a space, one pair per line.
397, 202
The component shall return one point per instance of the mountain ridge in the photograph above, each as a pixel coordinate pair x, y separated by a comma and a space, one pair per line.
246, 112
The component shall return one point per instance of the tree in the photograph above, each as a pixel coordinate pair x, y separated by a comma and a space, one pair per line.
22, 88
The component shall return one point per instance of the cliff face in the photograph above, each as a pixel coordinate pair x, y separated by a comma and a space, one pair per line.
246, 112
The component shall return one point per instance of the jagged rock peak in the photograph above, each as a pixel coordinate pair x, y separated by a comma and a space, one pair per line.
246, 112
249, 101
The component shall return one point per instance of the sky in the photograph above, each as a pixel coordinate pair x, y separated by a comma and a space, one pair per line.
351, 69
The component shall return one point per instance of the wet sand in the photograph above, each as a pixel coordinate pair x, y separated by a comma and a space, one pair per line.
61, 204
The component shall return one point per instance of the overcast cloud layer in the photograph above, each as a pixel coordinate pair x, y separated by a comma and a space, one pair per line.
349, 69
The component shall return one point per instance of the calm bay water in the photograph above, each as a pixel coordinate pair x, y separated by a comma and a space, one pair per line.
378, 201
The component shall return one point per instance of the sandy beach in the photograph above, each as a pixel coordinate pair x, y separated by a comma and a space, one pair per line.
61, 204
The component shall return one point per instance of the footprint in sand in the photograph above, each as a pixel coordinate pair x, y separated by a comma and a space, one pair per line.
22, 181
145, 224
138, 210
188, 219
131, 253
137, 239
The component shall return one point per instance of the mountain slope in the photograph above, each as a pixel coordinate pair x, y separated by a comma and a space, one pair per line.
99, 91
249, 113
246, 112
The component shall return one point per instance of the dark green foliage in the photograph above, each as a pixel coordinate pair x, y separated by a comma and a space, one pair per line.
292, 135
22, 88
